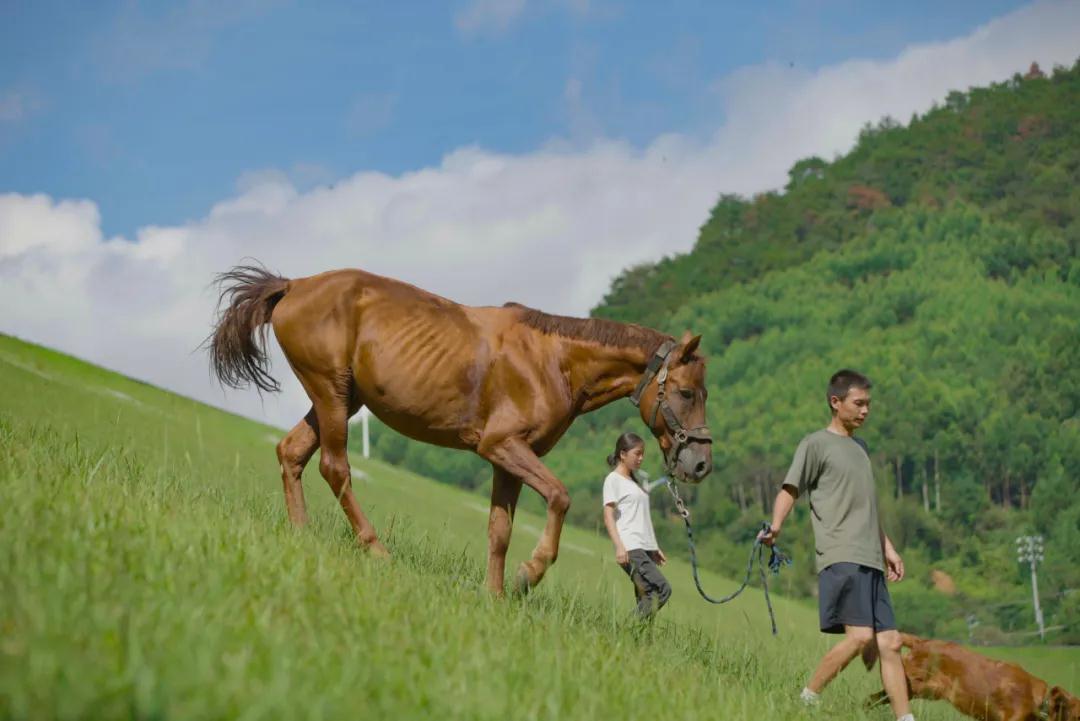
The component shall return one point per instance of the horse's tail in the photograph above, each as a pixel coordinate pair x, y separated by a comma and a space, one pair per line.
238, 343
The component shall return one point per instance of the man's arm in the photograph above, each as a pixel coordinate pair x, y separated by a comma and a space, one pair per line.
802, 474
894, 565
785, 501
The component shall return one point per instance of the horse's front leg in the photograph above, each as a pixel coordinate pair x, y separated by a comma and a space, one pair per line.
505, 490
515, 457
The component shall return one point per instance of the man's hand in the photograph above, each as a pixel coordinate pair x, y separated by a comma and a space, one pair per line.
661, 559
894, 565
621, 556
768, 537
782, 506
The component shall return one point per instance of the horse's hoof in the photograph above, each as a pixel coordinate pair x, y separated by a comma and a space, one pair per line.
522, 584
377, 550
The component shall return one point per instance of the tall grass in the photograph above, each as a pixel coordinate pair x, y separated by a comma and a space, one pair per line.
147, 570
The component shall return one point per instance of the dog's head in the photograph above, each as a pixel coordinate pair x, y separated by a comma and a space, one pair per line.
1062, 706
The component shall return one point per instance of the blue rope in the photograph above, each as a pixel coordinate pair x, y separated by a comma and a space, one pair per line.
777, 559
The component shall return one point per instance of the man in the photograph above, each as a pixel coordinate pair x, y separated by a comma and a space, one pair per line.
832, 468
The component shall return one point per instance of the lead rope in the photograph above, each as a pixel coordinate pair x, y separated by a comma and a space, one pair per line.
777, 559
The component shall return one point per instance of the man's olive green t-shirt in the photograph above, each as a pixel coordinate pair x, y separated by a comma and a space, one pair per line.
834, 473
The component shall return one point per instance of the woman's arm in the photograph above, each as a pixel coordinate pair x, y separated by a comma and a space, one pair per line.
621, 557
648, 485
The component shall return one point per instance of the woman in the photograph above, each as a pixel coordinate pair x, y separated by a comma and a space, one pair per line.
626, 516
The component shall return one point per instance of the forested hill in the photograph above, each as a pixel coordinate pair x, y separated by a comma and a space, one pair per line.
1011, 149
942, 258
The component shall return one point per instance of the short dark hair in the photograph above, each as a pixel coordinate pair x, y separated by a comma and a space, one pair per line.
843, 381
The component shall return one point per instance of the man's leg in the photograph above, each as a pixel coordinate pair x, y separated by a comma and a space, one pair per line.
892, 671
840, 655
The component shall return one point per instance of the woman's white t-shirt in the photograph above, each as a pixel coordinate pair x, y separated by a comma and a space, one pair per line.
632, 519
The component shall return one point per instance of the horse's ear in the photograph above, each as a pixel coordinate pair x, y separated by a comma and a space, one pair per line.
689, 345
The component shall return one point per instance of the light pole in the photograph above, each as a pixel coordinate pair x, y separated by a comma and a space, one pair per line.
1029, 549
364, 414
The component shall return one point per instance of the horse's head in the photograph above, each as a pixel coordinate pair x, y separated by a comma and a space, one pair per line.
671, 397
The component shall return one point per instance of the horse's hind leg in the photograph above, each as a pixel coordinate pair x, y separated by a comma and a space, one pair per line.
293, 452
505, 490
333, 409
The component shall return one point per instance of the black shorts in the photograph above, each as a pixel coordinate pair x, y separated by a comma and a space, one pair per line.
850, 594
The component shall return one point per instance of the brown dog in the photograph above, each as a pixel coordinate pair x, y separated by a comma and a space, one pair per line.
977, 686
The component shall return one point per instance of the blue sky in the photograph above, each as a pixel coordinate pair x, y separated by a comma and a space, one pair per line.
156, 111
487, 150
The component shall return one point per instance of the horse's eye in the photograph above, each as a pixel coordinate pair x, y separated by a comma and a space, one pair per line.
687, 393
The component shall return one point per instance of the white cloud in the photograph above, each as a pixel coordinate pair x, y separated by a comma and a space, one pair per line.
549, 228
488, 16
777, 114
36, 222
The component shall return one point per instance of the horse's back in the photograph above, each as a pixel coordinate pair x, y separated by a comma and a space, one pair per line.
424, 364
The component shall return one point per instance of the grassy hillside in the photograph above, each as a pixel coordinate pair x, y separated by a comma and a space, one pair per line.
148, 571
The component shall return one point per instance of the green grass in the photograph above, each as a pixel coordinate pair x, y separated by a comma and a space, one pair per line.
147, 570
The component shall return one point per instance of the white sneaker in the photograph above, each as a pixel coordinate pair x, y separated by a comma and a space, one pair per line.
809, 698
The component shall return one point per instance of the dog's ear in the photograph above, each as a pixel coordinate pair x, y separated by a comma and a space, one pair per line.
870, 654
1055, 703
1062, 706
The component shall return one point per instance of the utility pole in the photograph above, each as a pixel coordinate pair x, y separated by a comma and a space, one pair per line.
364, 414
1029, 549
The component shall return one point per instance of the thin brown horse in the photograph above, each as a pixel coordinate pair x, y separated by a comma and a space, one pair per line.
503, 382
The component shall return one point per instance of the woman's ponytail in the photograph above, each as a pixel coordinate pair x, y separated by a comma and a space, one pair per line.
625, 442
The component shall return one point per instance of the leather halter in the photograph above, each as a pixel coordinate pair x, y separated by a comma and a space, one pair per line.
658, 368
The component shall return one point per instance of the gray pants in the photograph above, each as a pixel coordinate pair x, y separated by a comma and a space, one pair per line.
650, 587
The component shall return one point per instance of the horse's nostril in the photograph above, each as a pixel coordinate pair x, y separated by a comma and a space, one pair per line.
701, 469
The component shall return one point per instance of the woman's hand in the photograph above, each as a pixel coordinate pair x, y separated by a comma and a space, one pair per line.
621, 556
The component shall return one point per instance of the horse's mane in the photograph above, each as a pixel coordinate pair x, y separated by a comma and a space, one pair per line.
600, 330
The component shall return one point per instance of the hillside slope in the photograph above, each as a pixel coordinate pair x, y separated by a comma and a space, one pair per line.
149, 571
